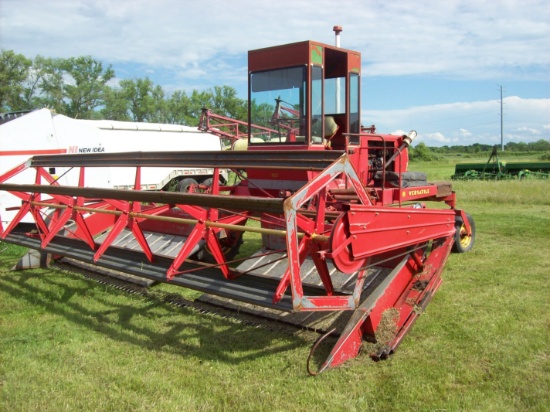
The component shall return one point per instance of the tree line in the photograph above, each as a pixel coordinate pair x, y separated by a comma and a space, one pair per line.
82, 88
538, 146
427, 153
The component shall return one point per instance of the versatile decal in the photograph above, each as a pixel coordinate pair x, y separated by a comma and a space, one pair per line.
419, 192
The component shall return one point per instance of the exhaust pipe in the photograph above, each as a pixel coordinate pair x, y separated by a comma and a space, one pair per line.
337, 30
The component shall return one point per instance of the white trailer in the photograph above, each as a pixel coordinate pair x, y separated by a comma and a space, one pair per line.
44, 132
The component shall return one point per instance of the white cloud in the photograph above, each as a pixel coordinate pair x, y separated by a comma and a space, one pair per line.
437, 137
465, 39
469, 122
529, 130
191, 44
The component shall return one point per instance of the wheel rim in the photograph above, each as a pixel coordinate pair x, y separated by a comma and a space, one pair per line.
464, 240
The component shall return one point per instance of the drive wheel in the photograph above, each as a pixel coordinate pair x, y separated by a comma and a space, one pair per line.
463, 242
187, 185
206, 185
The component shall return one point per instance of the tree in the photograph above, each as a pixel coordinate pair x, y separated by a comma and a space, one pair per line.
14, 69
421, 152
32, 85
177, 109
115, 105
226, 103
158, 105
46, 85
75, 86
262, 113
145, 101
540, 145
84, 89
199, 100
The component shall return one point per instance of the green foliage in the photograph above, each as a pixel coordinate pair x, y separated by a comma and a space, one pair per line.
421, 152
144, 100
73, 86
116, 105
178, 109
14, 70
226, 103
538, 146
80, 87
477, 149
84, 84
49, 82
262, 113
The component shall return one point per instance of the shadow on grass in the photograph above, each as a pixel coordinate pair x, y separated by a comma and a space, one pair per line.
147, 322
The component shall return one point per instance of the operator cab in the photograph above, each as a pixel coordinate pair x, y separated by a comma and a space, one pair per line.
304, 95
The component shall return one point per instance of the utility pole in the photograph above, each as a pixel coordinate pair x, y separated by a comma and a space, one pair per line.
501, 122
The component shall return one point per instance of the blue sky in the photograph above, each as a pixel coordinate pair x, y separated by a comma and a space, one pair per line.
432, 66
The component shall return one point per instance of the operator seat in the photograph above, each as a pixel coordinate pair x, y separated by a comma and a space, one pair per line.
331, 128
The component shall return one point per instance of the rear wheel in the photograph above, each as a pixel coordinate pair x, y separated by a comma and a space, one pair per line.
207, 183
187, 185
463, 242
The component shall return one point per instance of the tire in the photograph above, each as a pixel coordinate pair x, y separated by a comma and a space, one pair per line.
464, 243
187, 185
207, 182
206, 185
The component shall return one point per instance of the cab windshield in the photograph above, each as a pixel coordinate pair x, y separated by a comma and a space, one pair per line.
277, 99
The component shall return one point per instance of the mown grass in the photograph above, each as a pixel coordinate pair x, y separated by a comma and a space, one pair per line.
69, 343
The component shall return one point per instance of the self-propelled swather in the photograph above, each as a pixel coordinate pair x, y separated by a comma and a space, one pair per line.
345, 227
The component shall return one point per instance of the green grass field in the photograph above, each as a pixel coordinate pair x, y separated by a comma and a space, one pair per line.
483, 344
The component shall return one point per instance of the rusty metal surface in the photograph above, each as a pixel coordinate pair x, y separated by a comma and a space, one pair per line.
250, 203
273, 159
